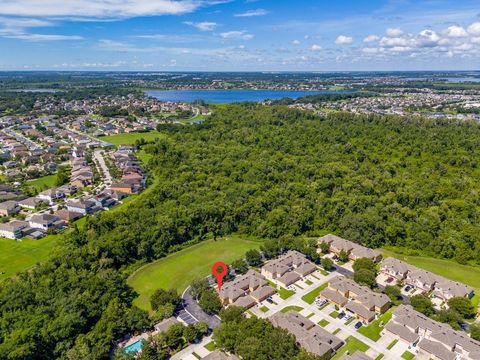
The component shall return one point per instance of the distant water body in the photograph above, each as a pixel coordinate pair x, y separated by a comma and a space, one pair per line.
230, 96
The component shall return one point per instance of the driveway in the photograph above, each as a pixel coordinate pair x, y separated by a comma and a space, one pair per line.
192, 308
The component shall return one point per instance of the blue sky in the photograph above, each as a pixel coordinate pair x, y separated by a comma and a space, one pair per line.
239, 35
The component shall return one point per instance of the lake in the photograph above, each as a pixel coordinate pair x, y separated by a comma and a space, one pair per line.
230, 96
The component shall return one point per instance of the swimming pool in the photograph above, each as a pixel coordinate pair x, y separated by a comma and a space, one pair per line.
135, 347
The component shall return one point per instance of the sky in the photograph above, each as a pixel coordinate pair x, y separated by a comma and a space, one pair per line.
239, 35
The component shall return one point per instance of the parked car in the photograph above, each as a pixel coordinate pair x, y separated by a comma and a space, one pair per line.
358, 325
341, 315
389, 280
407, 288
269, 300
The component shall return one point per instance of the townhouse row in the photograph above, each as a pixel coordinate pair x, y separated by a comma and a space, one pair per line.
364, 303
431, 338
354, 250
423, 280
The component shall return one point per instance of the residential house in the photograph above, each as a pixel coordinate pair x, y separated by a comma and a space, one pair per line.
288, 268
308, 335
123, 187
446, 289
9, 208
67, 215
51, 195
13, 229
423, 280
359, 300
82, 206
354, 250
45, 222
246, 290
30, 203
434, 340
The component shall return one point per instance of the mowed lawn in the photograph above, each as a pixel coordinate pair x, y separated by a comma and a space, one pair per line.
180, 269
16, 256
130, 138
466, 274
43, 183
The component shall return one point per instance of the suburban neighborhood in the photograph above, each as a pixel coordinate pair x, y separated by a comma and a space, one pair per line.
331, 315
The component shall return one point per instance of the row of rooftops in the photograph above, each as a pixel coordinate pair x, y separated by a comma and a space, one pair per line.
442, 287
313, 338
288, 268
358, 299
432, 337
354, 250
246, 290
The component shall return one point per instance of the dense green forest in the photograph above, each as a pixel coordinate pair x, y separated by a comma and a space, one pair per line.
266, 171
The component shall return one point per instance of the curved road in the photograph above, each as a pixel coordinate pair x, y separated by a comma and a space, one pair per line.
191, 307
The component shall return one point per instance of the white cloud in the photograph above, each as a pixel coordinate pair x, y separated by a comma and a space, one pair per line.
464, 47
394, 41
455, 31
394, 32
43, 37
371, 38
316, 47
344, 40
243, 35
296, 42
474, 29
16, 28
100, 8
427, 38
371, 50
476, 40
250, 13
203, 26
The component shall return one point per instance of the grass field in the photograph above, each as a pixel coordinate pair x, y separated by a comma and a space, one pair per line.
179, 269
16, 256
43, 183
466, 274
143, 156
372, 331
323, 322
408, 355
352, 344
130, 138
312, 295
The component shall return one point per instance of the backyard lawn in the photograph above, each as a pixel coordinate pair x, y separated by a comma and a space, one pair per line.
466, 274
180, 269
312, 295
16, 256
372, 331
352, 344
130, 138
43, 183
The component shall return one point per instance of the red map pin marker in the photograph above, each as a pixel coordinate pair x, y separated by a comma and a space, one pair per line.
219, 275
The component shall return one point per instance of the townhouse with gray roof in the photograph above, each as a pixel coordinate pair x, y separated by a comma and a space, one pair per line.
433, 339
354, 250
246, 290
360, 300
288, 268
8, 208
425, 281
313, 338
